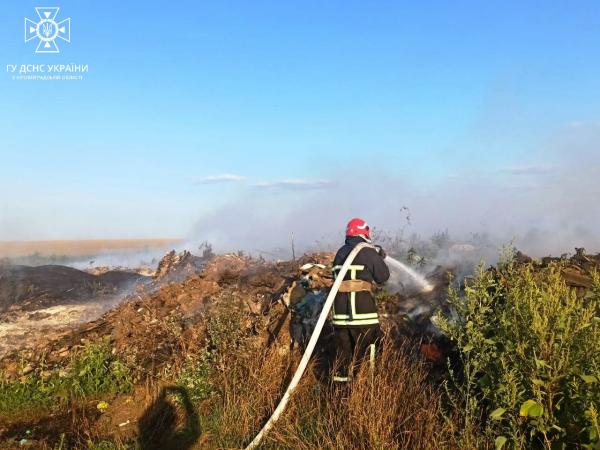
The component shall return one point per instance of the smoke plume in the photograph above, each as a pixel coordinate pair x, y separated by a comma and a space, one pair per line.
543, 207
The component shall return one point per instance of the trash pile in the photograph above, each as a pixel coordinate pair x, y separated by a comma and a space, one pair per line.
577, 270
305, 300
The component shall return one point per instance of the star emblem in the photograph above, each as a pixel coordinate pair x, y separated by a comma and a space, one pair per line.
47, 30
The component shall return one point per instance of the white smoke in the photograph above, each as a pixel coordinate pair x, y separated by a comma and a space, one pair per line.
543, 208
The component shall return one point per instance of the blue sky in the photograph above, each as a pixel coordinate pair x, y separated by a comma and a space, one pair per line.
271, 91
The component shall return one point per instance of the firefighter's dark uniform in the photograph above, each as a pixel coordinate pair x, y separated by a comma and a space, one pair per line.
354, 317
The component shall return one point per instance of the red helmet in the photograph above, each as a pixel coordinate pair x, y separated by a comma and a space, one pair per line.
358, 227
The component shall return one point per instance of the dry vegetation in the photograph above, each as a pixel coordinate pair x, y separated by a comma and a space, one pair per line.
11, 249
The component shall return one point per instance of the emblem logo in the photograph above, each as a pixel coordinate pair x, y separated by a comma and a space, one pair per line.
47, 30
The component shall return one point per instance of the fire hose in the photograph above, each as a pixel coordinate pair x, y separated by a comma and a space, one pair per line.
309, 348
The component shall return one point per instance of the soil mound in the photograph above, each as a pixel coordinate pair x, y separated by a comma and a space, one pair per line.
31, 288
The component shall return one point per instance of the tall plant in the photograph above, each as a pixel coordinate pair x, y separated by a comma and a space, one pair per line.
530, 357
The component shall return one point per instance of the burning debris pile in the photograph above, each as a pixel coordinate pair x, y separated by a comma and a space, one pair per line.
41, 303
162, 315
155, 322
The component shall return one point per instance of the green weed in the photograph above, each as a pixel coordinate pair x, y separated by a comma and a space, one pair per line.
530, 354
195, 377
92, 372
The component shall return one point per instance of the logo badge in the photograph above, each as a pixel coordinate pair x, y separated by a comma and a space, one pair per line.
47, 30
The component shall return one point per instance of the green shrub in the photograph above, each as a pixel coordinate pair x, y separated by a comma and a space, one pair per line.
530, 358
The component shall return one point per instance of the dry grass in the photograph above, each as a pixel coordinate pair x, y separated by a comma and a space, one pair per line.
11, 249
395, 407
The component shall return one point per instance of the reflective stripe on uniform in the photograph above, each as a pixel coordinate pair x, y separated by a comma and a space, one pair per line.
360, 322
352, 269
339, 379
371, 361
356, 316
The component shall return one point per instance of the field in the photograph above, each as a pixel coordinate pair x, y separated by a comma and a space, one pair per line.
11, 249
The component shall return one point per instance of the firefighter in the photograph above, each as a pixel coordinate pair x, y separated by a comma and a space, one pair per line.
354, 317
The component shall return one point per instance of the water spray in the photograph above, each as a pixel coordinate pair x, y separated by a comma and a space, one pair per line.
416, 277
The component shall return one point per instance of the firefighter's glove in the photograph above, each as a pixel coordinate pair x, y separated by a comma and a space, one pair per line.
381, 251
